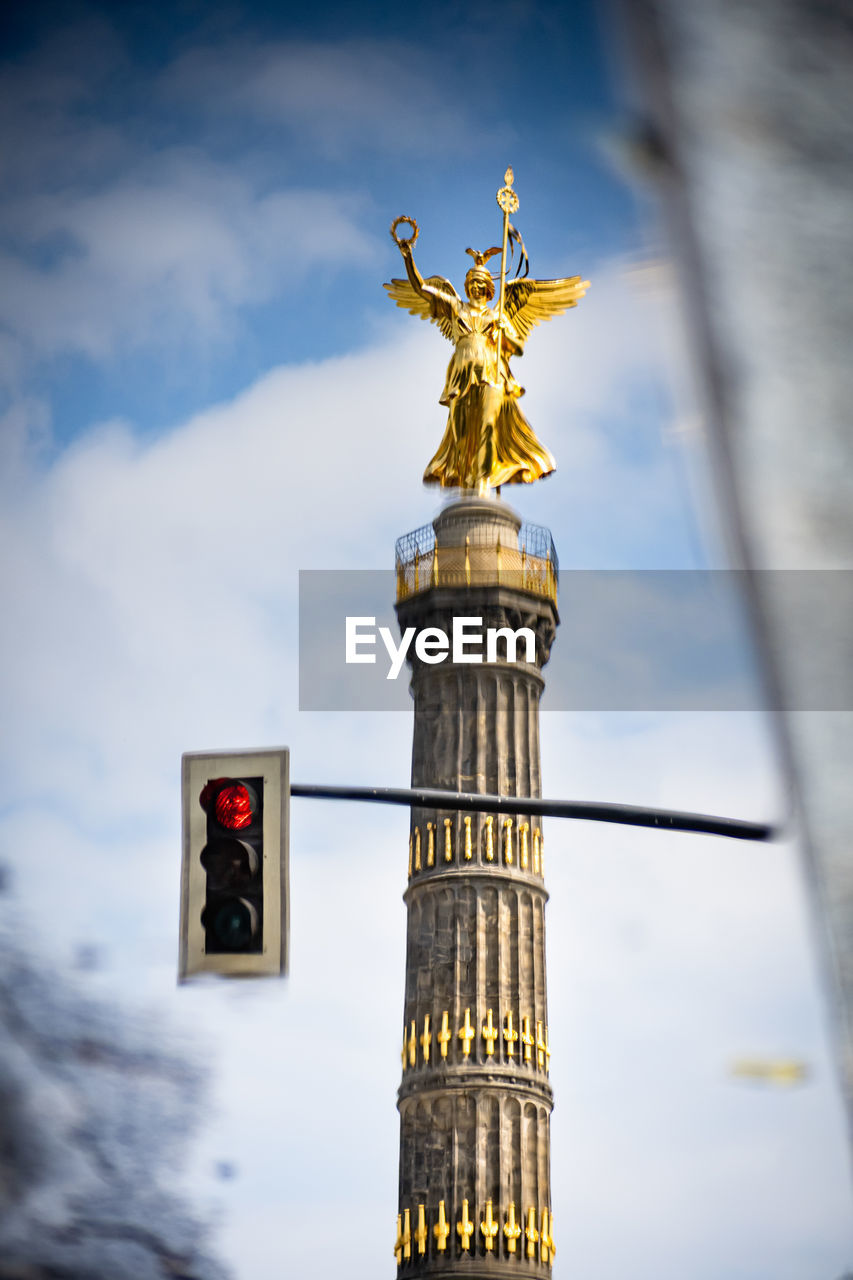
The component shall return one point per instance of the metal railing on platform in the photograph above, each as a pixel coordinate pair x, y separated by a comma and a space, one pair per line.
526, 563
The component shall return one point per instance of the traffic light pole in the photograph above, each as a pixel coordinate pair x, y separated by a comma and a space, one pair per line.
589, 811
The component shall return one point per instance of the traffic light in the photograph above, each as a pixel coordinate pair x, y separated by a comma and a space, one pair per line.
234, 879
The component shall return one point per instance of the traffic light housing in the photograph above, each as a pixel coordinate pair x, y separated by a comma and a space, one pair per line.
234, 879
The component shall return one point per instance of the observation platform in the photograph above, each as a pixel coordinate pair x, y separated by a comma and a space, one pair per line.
477, 543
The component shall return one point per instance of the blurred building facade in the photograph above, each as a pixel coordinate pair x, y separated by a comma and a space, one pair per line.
744, 124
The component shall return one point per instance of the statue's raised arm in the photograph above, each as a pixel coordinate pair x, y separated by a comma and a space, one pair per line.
433, 299
488, 441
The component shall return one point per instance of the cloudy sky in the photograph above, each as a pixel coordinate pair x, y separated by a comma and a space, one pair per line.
204, 390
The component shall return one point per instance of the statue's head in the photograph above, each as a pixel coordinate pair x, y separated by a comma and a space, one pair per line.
479, 284
478, 281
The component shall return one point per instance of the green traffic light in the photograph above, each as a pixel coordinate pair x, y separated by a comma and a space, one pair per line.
234, 924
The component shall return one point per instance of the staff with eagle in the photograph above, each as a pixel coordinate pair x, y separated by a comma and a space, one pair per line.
488, 442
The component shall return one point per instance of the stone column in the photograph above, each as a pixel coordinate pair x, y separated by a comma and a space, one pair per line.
475, 1101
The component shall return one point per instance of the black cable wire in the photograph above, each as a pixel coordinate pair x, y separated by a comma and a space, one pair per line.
626, 814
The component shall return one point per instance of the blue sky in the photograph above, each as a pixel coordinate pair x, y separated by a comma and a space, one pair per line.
205, 390
272, 153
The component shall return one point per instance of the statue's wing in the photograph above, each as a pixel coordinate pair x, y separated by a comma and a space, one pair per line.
438, 305
528, 302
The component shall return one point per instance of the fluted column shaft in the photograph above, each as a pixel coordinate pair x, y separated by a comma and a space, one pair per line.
475, 1100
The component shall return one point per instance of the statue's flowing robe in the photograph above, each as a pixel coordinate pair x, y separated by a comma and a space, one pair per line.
487, 439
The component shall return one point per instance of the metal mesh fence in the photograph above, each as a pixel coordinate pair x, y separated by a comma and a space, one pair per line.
527, 562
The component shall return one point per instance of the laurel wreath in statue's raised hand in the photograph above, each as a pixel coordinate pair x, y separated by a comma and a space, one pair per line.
401, 241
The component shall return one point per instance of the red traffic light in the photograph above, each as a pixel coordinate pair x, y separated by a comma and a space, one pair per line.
235, 805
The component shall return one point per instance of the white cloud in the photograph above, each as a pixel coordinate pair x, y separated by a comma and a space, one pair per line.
50, 131
380, 94
669, 961
166, 257
115, 236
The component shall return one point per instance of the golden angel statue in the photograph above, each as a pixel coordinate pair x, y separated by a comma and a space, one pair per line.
488, 442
